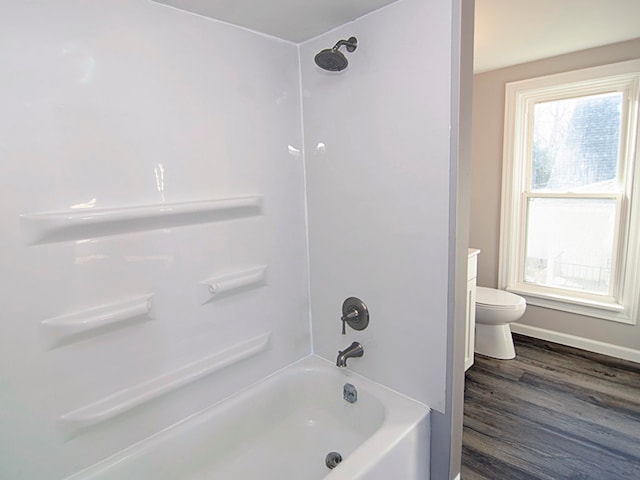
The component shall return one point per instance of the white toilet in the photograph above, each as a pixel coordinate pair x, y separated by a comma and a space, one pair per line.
495, 310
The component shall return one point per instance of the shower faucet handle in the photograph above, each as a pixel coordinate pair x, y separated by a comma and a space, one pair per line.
352, 315
355, 313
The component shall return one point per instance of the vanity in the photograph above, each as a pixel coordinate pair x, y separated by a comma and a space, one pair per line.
470, 319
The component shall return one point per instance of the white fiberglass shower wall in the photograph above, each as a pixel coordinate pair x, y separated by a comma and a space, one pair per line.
154, 254
377, 157
168, 147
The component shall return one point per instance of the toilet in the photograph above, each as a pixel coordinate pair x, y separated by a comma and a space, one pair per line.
495, 310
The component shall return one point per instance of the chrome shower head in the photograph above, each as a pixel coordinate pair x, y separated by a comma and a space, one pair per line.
332, 59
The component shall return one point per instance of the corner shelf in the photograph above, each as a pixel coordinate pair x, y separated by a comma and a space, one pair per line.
49, 227
66, 329
73, 423
225, 285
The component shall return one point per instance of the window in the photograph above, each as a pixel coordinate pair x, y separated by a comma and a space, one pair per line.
570, 225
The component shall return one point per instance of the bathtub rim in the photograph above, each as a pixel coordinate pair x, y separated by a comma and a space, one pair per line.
397, 423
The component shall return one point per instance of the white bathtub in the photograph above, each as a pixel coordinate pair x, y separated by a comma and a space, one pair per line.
282, 429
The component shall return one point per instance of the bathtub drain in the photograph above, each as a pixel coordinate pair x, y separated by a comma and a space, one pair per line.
332, 460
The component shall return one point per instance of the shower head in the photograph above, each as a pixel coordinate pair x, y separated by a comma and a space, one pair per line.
333, 59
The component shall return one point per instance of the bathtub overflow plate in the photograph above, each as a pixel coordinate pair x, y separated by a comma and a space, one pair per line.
349, 393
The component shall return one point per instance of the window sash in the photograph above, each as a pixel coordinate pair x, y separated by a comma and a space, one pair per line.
594, 90
613, 295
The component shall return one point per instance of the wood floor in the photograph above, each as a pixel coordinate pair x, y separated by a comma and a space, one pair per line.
552, 413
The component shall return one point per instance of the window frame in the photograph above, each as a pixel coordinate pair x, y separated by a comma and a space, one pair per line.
520, 98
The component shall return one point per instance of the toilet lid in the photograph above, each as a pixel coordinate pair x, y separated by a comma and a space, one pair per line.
498, 298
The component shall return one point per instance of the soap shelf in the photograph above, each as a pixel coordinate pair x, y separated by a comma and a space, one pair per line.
49, 227
224, 285
73, 423
65, 329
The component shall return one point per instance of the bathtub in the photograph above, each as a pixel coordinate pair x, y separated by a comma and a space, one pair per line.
282, 428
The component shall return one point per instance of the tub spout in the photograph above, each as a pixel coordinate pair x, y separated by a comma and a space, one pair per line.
354, 350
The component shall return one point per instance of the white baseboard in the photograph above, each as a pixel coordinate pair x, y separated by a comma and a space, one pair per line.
578, 342
457, 477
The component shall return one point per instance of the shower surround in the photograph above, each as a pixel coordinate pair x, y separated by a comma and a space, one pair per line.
188, 203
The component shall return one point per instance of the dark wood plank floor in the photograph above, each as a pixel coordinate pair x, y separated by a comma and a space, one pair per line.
552, 413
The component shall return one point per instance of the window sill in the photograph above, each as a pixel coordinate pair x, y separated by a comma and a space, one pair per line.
601, 310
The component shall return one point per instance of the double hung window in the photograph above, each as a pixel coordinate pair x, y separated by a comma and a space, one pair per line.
570, 225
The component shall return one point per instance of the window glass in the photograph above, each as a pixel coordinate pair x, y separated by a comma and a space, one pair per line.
570, 243
575, 144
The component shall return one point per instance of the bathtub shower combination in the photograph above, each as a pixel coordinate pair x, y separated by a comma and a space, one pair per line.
188, 202
296, 424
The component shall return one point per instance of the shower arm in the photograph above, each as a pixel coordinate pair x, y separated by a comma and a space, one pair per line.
351, 44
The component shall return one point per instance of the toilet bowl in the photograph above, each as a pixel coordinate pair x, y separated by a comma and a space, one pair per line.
495, 310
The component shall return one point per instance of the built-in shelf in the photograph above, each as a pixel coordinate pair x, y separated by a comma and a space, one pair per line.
77, 421
229, 284
48, 227
66, 329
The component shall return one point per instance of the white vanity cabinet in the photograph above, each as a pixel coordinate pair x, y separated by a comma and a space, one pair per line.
470, 323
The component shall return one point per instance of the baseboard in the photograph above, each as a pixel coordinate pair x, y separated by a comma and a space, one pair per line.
577, 342
457, 477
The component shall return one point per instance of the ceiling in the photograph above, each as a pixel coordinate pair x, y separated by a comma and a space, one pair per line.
509, 32
293, 20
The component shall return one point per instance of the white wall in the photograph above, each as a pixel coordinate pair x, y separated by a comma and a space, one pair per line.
95, 96
377, 162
